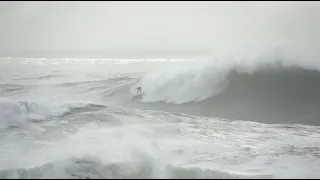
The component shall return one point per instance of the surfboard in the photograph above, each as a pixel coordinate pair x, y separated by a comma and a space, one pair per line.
137, 95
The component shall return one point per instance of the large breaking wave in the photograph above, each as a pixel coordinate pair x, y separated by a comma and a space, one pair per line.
191, 83
271, 89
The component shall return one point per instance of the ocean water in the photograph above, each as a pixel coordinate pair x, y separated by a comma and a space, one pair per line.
81, 118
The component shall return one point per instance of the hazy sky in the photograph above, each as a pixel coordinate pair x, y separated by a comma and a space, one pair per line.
103, 25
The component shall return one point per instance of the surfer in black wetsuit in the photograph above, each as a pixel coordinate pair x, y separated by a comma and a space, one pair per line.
139, 89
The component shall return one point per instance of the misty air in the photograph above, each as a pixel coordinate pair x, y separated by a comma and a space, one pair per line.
157, 90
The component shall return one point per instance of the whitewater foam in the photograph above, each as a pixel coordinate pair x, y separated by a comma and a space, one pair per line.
168, 146
15, 113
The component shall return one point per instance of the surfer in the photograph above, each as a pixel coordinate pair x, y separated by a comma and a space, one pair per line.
139, 89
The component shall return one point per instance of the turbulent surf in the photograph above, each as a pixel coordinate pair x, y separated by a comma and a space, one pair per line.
81, 118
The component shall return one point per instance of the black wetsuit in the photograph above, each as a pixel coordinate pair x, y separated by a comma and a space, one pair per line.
139, 89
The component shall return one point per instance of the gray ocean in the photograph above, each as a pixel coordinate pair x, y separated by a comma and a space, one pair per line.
81, 118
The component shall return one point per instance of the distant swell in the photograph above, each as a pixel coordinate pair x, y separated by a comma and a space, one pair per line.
42, 77
6, 88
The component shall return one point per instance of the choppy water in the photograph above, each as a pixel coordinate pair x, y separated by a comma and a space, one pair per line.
78, 118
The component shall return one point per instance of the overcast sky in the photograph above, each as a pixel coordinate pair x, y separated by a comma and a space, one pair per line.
103, 25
